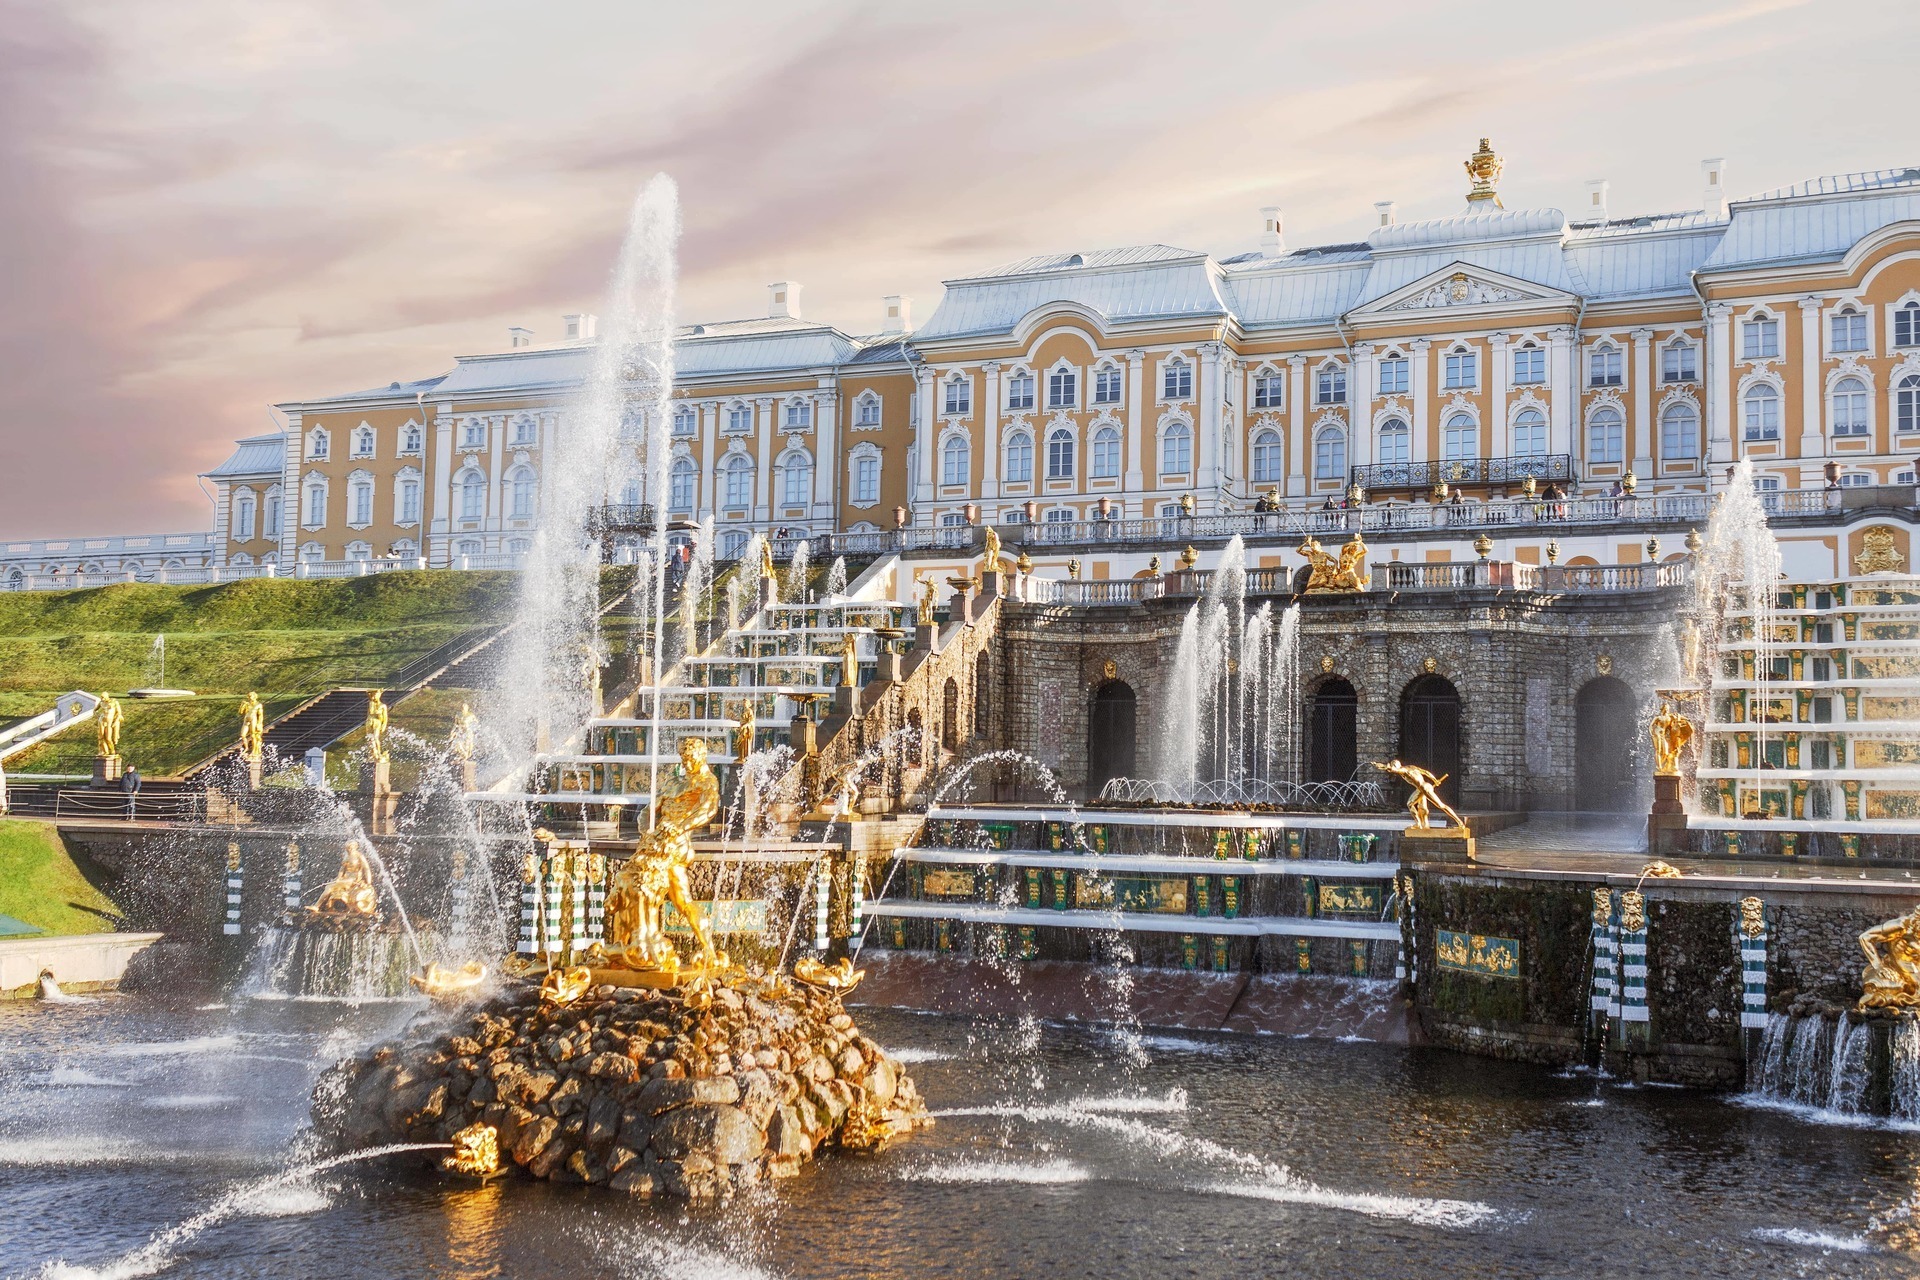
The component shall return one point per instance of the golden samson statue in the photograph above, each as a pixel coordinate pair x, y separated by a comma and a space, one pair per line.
1891, 979
656, 874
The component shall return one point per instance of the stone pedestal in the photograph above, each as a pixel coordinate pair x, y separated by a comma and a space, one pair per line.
890, 666
843, 696
1436, 845
769, 592
926, 635
256, 770
992, 582
468, 775
1666, 820
800, 735
382, 801
107, 771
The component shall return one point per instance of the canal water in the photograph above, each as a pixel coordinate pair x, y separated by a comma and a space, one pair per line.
138, 1141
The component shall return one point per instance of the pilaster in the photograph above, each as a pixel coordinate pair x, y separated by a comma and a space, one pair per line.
1716, 373
1642, 426
990, 438
1813, 441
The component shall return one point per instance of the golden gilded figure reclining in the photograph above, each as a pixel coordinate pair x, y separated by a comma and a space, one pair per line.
656, 874
1891, 979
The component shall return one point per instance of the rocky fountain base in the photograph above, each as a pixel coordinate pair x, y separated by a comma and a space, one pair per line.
642, 1091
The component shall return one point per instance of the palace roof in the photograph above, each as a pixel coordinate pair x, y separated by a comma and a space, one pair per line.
254, 456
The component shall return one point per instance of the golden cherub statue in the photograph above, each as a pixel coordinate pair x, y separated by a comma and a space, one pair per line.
253, 726
376, 726
1891, 979
743, 732
990, 563
350, 894
656, 874
1670, 732
464, 739
1426, 793
107, 720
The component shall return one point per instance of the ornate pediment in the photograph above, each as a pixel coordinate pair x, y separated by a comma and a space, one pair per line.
1463, 286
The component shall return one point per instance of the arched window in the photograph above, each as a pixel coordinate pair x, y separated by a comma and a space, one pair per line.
1906, 325
1678, 362
473, 495
1330, 454
799, 415
1019, 458
680, 482
1606, 365
410, 438
1330, 384
864, 475
959, 395
737, 473
473, 434
1106, 383
1606, 436
318, 442
243, 511
1460, 438
1846, 331
405, 549
1176, 380
363, 442
1060, 455
1680, 431
956, 458
1855, 480
1063, 388
1106, 454
1529, 433
1760, 413
683, 420
796, 478
1269, 458
1176, 449
1849, 407
408, 511
1906, 404
739, 420
525, 430
1396, 443
360, 501
271, 524
866, 410
1020, 391
521, 483
315, 514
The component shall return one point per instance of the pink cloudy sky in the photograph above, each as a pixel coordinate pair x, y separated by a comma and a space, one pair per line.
209, 207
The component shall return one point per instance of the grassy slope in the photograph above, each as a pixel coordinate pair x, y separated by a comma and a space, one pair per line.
40, 884
284, 638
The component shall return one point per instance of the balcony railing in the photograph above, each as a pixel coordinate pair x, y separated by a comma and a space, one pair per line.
1543, 467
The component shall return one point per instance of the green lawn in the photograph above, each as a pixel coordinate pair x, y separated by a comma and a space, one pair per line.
40, 884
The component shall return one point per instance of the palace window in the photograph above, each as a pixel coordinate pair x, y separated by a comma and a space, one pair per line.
1605, 366
733, 544
1855, 480
737, 474
1760, 338
1396, 443
1847, 331
473, 495
1270, 391
796, 478
1529, 366
955, 459
799, 415
1679, 363
959, 397
866, 411
1176, 380
243, 518
739, 420
410, 438
1680, 431
1106, 384
1330, 454
1269, 458
1906, 325
1849, 407
1063, 389
680, 482
1330, 385
1105, 454
526, 430
1606, 436
1020, 391
866, 481
1019, 458
360, 502
271, 525
474, 434
1529, 433
521, 483
1176, 450
1906, 404
1460, 439
683, 421
1462, 371
1060, 455
363, 442
1760, 413
409, 500
318, 443
1393, 376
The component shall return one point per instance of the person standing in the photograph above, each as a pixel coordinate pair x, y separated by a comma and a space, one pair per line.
130, 783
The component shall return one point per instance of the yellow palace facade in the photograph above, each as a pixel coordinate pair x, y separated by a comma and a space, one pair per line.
1447, 359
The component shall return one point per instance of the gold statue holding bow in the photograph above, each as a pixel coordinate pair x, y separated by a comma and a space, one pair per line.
656, 874
1671, 732
107, 719
1891, 979
1426, 793
253, 726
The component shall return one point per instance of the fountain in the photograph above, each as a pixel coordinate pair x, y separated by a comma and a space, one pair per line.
153, 677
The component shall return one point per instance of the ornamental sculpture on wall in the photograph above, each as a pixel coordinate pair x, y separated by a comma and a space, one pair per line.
1878, 554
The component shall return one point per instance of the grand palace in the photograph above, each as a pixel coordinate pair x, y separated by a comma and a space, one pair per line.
1492, 356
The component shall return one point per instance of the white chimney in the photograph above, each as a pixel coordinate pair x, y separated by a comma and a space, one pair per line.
1713, 177
581, 327
1386, 210
1273, 240
1596, 209
518, 337
899, 314
783, 300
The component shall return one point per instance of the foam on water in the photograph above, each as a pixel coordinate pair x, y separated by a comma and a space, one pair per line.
1452, 1214
655, 1258
907, 1057
1178, 1044
1135, 1104
1824, 1115
168, 1048
79, 1077
1815, 1239
1048, 1173
189, 1101
73, 1152
287, 1201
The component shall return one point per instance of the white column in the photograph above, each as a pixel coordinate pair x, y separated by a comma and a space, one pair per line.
290, 492
1136, 363
1717, 372
826, 454
925, 435
1422, 397
764, 410
441, 495
1813, 441
1299, 482
1206, 458
707, 499
1360, 388
1642, 425
1564, 411
1499, 370
496, 501
990, 437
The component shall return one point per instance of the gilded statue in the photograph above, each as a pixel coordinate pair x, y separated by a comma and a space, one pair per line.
590, 674
107, 720
841, 977
449, 986
850, 661
656, 874
253, 726
766, 558
475, 1154
1753, 917
564, 986
1877, 552
1891, 979
1670, 732
927, 590
1602, 907
1426, 794
464, 739
1633, 911
990, 563
350, 894
1348, 573
743, 732
376, 726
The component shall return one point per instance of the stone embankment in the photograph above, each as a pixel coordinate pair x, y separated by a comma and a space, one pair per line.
636, 1090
